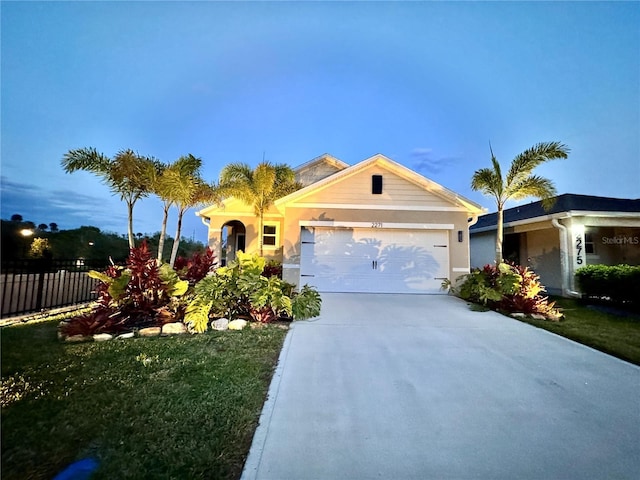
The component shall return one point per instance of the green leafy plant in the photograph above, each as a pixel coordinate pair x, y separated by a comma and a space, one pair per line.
306, 304
509, 288
267, 300
618, 284
240, 290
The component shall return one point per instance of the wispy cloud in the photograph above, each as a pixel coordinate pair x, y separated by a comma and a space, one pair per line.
427, 162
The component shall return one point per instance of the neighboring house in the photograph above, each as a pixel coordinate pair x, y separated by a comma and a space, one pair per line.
376, 226
578, 230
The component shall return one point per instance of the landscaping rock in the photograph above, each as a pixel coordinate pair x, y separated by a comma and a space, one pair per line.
220, 324
78, 339
175, 328
237, 324
150, 332
124, 336
537, 316
102, 337
518, 315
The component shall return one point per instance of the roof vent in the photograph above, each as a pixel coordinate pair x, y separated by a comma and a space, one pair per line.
376, 184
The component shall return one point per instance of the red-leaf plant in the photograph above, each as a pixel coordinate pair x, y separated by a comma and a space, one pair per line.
195, 268
529, 298
144, 302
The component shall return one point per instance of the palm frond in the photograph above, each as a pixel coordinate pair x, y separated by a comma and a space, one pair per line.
187, 164
535, 186
88, 159
264, 179
524, 163
236, 171
487, 181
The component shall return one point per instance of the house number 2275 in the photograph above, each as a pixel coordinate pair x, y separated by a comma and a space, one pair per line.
376, 224
579, 249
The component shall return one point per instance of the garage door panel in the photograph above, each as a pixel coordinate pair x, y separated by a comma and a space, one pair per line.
384, 261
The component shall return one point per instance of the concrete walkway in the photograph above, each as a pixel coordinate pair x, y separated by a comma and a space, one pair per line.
420, 387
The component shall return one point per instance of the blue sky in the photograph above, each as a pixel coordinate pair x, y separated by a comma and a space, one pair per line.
428, 84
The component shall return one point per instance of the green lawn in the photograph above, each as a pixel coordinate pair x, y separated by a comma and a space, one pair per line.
617, 335
180, 407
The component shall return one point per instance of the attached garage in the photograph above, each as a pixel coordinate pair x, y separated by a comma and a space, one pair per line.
374, 260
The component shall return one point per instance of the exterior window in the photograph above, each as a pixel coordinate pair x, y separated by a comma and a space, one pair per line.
589, 244
269, 235
376, 184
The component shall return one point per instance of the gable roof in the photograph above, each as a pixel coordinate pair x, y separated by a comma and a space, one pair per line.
324, 158
568, 202
398, 169
318, 168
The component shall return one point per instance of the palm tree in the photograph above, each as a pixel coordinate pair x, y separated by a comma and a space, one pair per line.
165, 186
127, 174
158, 189
259, 187
183, 186
520, 182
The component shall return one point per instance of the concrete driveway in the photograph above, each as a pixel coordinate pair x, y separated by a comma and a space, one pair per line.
410, 386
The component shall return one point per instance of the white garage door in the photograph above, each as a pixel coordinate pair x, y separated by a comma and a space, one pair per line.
374, 260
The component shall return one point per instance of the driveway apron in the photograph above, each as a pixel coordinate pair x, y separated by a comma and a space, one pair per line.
421, 387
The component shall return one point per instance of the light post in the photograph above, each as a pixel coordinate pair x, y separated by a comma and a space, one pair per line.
26, 233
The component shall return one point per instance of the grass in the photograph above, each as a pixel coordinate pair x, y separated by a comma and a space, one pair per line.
176, 407
617, 335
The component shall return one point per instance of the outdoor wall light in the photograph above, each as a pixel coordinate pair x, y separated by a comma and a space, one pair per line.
460, 235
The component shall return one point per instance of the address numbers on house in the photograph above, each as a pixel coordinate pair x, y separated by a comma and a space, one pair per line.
579, 249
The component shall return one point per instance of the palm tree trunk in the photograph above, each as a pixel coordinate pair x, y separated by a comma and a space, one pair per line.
132, 242
499, 235
163, 233
260, 228
176, 241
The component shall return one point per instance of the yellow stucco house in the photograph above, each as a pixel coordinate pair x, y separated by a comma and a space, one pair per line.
376, 226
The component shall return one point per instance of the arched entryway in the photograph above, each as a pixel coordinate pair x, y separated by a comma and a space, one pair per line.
233, 239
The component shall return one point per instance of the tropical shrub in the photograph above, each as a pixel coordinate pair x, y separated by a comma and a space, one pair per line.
240, 290
142, 293
508, 288
306, 304
272, 268
195, 268
618, 284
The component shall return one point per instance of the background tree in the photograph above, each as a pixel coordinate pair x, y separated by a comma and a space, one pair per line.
16, 217
519, 182
128, 175
40, 248
259, 187
53, 226
43, 227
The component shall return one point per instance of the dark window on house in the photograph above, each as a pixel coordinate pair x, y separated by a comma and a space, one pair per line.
589, 245
376, 184
269, 235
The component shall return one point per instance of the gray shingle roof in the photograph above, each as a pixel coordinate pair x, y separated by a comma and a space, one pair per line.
564, 203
